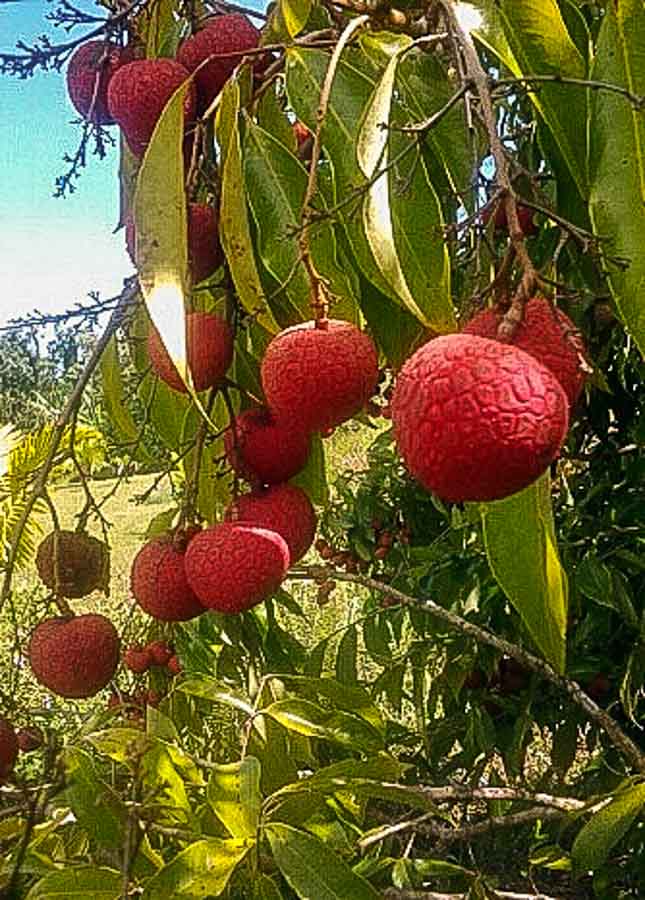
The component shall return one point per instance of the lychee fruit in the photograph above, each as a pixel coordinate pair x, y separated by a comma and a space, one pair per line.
264, 449
205, 253
233, 567
174, 666
226, 38
89, 71
209, 352
137, 94
30, 738
160, 652
8, 748
74, 657
475, 419
319, 373
73, 563
137, 659
525, 217
158, 581
547, 334
283, 508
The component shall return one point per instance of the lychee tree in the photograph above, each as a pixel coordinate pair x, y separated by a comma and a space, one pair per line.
343, 214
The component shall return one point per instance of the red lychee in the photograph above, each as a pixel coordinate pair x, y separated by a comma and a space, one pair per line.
475, 419
547, 334
137, 659
283, 508
30, 738
209, 351
160, 652
234, 567
73, 563
89, 71
74, 657
8, 748
264, 449
158, 581
204, 249
301, 133
226, 38
137, 94
319, 373
174, 666
525, 217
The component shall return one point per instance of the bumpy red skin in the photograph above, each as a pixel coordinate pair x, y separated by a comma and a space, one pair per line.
234, 567
231, 33
159, 585
321, 376
137, 94
475, 419
74, 657
137, 659
548, 335
266, 450
284, 508
160, 652
209, 350
8, 748
87, 63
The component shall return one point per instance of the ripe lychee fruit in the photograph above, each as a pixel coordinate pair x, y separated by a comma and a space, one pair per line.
209, 352
264, 449
137, 94
319, 373
73, 563
137, 659
284, 508
30, 738
205, 253
475, 419
89, 71
174, 666
547, 334
233, 567
226, 38
525, 217
74, 657
158, 581
160, 652
8, 748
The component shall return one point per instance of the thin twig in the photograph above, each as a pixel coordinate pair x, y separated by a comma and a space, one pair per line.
636, 99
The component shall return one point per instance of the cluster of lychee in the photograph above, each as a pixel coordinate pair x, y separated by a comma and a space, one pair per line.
13, 741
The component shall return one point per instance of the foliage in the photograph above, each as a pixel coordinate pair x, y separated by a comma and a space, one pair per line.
472, 707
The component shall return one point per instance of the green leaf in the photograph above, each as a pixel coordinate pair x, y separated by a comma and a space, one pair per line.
123, 745
295, 14
346, 657
312, 870
96, 806
313, 478
311, 720
595, 841
522, 553
531, 38
235, 232
201, 870
160, 218
216, 691
265, 888
79, 884
163, 30
234, 795
351, 698
116, 404
593, 579
617, 159
346, 776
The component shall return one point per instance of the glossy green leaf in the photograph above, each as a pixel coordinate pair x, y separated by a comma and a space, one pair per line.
523, 556
531, 38
162, 30
401, 212
162, 780
116, 403
617, 159
295, 14
216, 691
346, 672
160, 218
312, 870
201, 870
96, 806
602, 832
79, 884
309, 719
120, 744
351, 698
235, 232
234, 795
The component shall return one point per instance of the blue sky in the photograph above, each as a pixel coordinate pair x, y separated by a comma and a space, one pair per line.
52, 251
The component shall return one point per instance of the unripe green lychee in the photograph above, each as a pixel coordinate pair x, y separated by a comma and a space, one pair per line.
475, 419
74, 657
209, 352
